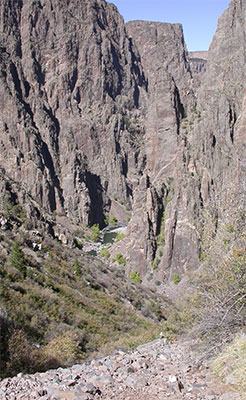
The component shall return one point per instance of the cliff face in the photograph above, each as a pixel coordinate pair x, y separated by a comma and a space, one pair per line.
70, 83
93, 110
170, 96
218, 139
198, 63
199, 164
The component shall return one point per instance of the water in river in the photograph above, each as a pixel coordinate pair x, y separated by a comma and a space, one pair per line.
109, 234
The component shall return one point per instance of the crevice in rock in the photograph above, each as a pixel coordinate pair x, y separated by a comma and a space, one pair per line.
45, 151
56, 125
96, 213
179, 108
27, 88
232, 121
38, 69
16, 81
136, 70
56, 184
73, 79
213, 140
124, 165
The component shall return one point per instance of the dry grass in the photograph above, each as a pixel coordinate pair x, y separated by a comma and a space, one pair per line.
231, 363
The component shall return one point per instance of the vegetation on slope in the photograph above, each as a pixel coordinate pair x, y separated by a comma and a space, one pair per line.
59, 306
213, 308
216, 299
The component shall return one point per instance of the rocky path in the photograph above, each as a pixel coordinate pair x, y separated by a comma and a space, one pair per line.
154, 371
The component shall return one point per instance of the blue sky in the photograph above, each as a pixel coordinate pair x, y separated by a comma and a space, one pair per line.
198, 17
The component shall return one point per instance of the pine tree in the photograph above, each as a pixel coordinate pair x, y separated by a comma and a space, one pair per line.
17, 259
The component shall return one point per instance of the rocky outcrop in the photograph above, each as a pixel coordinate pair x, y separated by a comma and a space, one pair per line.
198, 62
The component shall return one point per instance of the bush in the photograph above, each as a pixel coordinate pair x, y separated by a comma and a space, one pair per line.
120, 259
231, 362
65, 348
134, 275
18, 211
113, 220
119, 237
95, 233
155, 262
214, 305
23, 357
17, 259
176, 278
105, 253
76, 268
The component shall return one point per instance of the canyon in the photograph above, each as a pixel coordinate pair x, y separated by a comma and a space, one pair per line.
104, 123
95, 112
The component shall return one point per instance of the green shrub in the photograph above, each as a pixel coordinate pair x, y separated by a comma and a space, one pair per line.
106, 219
134, 275
95, 233
120, 259
161, 252
105, 253
155, 262
76, 268
230, 228
65, 348
113, 220
160, 238
119, 237
17, 259
176, 278
202, 257
18, 211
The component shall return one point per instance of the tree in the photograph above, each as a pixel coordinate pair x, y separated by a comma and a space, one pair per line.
76, 268
17, 259
95, 233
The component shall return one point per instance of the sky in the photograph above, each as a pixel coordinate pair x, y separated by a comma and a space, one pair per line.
198, 17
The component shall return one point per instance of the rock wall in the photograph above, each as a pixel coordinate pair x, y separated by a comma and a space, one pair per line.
70, 87
170, 97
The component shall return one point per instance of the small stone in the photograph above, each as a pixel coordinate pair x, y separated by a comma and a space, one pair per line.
230, 380
172, 378
230, 396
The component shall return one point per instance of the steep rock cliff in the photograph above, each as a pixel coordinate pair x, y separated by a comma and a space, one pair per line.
218, 139
206, 141
70, 86
170, 95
